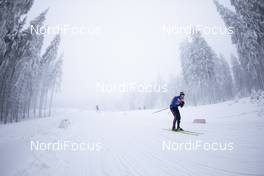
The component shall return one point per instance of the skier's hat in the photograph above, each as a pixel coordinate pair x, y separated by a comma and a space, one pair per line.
182, 93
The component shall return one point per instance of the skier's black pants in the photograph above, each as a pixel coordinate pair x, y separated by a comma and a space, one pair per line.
177, 116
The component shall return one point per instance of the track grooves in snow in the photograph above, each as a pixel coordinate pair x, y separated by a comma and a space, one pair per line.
132, 144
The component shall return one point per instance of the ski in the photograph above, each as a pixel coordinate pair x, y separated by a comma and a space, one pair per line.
186, 132
190, 132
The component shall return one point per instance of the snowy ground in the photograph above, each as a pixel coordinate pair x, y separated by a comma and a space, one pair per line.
133, 143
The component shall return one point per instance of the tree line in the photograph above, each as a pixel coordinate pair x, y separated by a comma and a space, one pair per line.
207, 77
28, 76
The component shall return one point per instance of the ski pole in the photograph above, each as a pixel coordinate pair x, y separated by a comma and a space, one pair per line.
160, 110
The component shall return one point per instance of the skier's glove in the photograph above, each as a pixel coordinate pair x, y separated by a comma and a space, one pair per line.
182, 104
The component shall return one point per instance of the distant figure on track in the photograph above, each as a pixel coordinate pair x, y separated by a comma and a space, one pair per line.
175, 103
97, 108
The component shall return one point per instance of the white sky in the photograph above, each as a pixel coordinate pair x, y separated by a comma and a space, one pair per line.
131, 44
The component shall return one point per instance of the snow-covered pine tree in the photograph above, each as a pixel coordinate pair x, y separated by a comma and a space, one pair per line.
11, 20
55, 76
224, 78
240, 77
36, 46
25, 84
198, 66
11, 15
46, 68
247, 37
252, 12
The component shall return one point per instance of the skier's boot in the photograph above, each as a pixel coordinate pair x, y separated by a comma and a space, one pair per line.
179, 129
173, 129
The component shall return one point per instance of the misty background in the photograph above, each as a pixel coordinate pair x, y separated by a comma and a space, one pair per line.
131, 44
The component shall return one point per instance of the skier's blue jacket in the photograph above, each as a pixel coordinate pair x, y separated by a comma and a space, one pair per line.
174, 102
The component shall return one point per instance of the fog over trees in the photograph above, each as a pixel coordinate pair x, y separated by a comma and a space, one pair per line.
28, 78
30, 74
206, 76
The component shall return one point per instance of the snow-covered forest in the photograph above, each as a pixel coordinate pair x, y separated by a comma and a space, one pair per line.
206, 76
29, 76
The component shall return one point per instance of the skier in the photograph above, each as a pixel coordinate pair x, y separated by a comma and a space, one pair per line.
97, 108
175, 103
